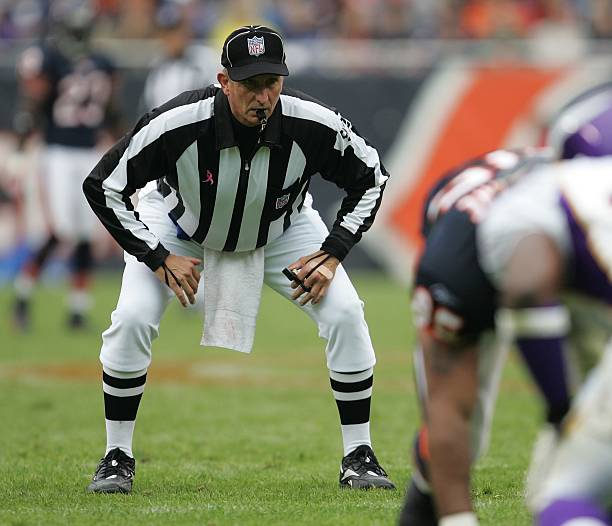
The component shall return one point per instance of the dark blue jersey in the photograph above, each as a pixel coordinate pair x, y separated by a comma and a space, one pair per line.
75, 106
501, 166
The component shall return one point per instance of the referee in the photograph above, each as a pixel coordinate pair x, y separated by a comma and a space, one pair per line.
233, 163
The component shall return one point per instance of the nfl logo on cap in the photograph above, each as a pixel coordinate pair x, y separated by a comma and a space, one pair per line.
256, 46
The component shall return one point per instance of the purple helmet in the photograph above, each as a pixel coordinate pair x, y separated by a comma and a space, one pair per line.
584, 126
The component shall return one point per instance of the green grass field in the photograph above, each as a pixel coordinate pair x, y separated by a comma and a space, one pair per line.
224, 438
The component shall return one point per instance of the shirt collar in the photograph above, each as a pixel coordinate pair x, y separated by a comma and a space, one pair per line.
223, 125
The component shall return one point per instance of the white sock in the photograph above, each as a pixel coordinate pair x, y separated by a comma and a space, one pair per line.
24, 286
119, 434
79, 301
355, 435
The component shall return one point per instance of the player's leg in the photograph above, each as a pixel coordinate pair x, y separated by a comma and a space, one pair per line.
84, 224
80, 285
579, 481
126, 350
26, 280
350, 355
54, 184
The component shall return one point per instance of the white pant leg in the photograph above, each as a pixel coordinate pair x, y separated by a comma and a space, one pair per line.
339, 316
492, 354
582, 463
65, 170
126, 344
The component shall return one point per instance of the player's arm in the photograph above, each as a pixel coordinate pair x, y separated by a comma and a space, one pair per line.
537, 319
451, 372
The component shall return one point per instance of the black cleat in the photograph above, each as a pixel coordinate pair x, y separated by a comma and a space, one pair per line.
21, 314
114, 473
418, 509
360, 470
77, 321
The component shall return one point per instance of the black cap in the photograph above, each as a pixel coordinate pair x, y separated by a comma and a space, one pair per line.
254, 50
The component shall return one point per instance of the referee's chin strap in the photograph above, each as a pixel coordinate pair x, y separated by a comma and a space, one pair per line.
166, 270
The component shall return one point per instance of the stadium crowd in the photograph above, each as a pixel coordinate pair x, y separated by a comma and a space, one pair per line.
352, 19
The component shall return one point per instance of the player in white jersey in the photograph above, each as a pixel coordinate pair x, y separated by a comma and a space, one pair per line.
577, 488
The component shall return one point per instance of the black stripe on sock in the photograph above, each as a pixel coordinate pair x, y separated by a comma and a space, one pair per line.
121, 407
354, 411
343, 387
123, 383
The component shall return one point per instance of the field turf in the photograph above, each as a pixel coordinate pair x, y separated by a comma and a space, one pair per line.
224, 438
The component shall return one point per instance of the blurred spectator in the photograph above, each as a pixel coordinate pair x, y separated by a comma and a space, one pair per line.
496, 18
235, 13
600, 18
137, 19
557, 25
295, 18
353, 19
180, 66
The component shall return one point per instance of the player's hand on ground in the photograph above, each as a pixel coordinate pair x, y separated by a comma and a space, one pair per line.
316, 271
181, 274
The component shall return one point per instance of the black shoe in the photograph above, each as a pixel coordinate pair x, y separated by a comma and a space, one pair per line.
77, 321
418, 509
21, 314
114, 474
360, 470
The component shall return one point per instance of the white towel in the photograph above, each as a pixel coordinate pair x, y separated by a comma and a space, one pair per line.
232, 293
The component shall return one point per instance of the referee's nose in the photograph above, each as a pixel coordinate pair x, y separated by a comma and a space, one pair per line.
262, 96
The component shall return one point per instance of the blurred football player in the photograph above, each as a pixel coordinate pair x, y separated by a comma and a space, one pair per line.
67, 94
583, 127
578, 485
469, 301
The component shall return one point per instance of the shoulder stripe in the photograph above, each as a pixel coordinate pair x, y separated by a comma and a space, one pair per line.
117, 181
311, 111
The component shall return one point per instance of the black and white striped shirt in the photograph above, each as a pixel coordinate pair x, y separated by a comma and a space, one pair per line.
230, 200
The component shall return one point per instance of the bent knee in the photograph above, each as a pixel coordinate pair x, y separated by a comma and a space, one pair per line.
345, 313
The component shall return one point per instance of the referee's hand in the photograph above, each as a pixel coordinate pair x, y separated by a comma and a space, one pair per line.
180, 273
316, 271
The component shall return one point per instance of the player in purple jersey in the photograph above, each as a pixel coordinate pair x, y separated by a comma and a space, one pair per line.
67, 95
577, 484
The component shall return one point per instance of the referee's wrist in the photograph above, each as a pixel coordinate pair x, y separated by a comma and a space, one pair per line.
465, 518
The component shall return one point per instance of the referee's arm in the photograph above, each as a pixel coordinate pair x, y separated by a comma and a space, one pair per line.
355, 166
136, 159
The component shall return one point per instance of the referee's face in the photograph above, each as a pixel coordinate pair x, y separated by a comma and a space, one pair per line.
247, 96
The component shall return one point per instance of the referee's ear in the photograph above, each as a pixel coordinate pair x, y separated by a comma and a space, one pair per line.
223, 79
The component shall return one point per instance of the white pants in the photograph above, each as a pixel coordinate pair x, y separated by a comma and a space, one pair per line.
582, 464
126, 344
65, 169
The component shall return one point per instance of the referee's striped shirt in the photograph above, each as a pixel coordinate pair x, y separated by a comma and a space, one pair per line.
230, 200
